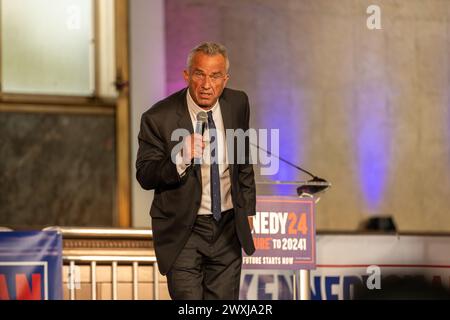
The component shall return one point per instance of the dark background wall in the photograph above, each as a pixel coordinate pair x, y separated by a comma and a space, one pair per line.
57, 169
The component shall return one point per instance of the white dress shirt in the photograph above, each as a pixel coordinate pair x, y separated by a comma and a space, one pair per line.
224, 172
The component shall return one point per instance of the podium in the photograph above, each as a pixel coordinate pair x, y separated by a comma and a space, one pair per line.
284, 231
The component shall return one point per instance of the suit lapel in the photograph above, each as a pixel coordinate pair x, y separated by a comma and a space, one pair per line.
184, 119
225, 109
227, 117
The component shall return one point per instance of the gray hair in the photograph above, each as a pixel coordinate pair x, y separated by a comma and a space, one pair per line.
210, 49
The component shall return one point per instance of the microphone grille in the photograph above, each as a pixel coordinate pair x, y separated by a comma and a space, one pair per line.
202, 116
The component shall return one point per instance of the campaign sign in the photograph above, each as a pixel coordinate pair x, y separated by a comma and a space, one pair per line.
266, 285
283, 233
30, 265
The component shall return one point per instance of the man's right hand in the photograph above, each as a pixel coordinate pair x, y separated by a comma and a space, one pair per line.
193, 146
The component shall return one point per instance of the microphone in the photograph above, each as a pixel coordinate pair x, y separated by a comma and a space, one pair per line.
202, 119
308, 188
200, 124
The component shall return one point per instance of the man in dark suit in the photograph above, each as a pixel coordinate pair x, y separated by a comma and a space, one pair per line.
201, 213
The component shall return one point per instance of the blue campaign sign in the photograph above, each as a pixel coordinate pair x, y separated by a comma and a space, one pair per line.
266, 285
30, 265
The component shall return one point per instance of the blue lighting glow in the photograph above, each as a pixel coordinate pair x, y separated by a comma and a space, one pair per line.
280, 109
373, 151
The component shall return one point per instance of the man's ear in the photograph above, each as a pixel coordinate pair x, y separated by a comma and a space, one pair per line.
186, 76
226, 79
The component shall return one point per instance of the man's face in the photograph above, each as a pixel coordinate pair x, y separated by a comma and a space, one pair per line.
206, 78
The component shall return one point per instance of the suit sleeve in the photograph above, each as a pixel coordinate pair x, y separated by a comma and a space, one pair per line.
154, 167
246, 174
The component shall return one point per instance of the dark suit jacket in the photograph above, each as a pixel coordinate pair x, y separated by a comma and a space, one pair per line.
177, 200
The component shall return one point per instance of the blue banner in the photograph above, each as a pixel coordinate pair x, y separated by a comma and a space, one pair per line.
31, 265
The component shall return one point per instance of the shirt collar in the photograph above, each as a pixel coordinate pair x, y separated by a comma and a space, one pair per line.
195, 108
